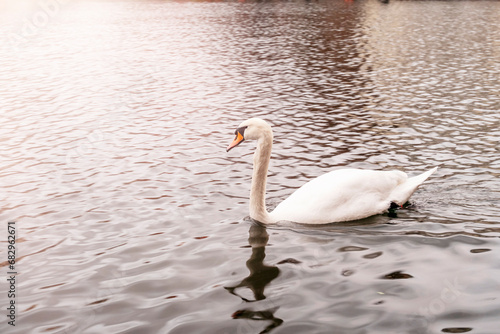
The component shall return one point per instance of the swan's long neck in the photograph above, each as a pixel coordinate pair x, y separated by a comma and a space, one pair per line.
261, 159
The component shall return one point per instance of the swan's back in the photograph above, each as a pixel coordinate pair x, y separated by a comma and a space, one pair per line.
346, 194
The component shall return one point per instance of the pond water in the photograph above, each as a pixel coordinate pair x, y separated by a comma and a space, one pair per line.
132, 218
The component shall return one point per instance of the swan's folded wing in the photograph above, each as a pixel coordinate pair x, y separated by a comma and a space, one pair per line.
340, 195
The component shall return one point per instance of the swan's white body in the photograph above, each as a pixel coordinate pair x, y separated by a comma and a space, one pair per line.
338, 196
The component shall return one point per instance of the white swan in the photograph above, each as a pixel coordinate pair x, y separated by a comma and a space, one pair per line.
338, 196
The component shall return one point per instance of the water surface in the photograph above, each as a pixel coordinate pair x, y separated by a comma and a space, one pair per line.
132, 218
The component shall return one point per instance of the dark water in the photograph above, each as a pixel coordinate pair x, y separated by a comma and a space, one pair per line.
130, 215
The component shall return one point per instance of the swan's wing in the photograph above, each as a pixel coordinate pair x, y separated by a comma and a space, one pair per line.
402, 193
340, 195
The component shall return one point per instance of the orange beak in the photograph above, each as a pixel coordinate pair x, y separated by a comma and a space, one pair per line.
237, 140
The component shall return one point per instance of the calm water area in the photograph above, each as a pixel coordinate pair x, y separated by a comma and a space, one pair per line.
132, 218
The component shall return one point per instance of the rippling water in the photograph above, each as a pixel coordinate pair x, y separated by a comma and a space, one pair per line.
131, 217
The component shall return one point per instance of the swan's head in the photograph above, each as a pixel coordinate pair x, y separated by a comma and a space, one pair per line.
253, 128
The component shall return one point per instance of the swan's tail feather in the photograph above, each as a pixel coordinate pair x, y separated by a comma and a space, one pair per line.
402, 193
419, 179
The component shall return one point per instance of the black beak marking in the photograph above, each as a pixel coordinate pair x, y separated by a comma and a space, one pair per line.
241, 131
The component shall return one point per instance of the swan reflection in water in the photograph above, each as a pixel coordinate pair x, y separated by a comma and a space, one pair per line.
260, 276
